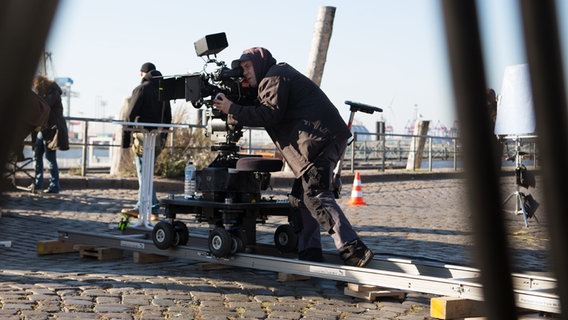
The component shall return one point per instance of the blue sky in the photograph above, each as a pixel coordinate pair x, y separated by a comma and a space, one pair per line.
386, 53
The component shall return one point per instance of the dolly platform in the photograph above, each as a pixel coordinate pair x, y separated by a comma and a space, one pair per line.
232, 225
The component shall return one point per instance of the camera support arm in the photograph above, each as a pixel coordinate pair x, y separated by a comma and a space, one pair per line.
354, 107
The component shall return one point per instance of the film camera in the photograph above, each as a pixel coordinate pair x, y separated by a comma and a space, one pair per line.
201, 88
231, 175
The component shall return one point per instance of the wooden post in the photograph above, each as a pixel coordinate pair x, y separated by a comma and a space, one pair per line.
318, 53
417, 145
320, 43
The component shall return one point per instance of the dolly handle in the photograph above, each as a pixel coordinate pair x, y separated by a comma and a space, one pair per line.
356, 106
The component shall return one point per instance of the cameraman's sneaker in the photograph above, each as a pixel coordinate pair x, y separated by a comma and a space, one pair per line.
362, 261
356, 254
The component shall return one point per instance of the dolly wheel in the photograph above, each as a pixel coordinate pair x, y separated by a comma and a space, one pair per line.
285, 239
182, 233
220, 242
237, 244
163, 235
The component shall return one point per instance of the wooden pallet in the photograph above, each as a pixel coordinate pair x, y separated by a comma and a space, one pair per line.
54, 246
285, 277
208, 266
100, 253
372, 293
139, 257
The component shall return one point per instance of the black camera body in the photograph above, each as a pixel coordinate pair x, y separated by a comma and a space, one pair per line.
201, 88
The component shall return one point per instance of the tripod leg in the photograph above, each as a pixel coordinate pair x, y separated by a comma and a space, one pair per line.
508, 197
522, 202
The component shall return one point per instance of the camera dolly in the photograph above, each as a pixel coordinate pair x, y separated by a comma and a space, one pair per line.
232, 204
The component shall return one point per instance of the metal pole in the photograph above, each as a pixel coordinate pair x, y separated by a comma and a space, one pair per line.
172, 145
353, 153
455, 143
250, 141
430, 154
483, 193
84, 154
549, 97
384, 150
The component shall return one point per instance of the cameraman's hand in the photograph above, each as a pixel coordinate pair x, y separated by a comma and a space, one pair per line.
221, 103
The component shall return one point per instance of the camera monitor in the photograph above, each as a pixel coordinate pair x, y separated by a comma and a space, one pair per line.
211, 44
186, 87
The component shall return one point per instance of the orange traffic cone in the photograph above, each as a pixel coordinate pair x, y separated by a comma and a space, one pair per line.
357, 192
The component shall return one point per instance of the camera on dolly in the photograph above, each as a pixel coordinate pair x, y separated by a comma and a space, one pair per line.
201, 88
231, 201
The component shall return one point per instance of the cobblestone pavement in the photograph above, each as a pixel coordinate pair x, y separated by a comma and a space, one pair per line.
405, 217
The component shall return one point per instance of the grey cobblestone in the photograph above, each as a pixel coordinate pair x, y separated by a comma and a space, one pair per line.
423, 218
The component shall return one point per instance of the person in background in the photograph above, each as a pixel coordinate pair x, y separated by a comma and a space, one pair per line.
491, 102
310, 134
53, 137
145, 106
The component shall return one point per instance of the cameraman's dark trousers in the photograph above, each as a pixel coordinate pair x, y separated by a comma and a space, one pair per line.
314, 207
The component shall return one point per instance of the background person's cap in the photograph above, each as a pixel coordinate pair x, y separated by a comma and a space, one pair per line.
147, 67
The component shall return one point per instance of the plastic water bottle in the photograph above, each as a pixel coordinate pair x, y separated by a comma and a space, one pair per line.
189, 186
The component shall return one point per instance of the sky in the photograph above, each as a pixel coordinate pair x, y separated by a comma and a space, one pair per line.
387, 53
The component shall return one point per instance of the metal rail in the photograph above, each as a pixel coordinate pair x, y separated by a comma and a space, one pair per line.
532, 292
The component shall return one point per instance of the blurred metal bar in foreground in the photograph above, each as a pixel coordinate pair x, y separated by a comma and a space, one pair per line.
549, 97
467, 67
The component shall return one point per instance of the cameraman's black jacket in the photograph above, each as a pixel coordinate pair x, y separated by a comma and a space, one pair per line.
295, 112
145, 106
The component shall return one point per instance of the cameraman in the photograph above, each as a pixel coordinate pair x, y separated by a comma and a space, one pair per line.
311, 135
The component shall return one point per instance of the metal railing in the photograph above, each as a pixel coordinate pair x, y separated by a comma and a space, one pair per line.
93, 144
392, 151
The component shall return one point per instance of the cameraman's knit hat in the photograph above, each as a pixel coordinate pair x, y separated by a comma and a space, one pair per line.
147, 67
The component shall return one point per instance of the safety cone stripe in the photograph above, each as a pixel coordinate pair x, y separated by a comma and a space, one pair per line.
356, 194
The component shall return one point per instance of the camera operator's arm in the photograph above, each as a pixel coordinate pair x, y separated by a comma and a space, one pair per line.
272, 104
222, 103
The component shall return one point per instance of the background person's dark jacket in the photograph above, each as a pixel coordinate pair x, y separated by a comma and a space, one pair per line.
145, 106
55, 134
295, 112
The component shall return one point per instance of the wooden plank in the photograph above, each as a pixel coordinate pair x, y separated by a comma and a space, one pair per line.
100, 254
207, 266
453, 307
54, 246
284, 277
362, 287
372, 293
139, 257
